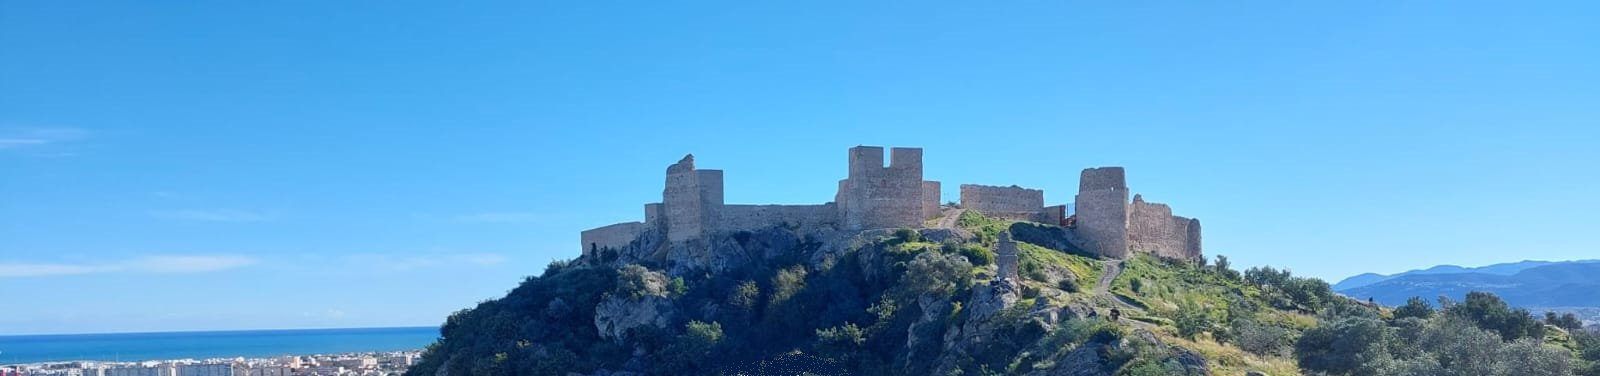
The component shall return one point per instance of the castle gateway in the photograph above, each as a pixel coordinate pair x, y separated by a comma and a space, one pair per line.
875, 196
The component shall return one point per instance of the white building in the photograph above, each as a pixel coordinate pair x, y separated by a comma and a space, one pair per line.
212, 369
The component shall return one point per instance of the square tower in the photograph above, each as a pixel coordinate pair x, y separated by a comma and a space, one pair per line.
875, 196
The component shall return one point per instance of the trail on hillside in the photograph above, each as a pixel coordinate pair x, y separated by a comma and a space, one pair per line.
1110, 270
950, 218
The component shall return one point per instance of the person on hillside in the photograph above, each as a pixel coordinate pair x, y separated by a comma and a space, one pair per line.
1116, 315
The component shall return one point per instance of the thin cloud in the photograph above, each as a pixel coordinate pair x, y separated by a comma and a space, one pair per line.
501, 217
147, 264
224, 215
30, 138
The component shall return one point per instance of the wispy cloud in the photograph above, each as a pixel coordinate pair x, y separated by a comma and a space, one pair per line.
28, 138
501, 217
223, 215
146, 264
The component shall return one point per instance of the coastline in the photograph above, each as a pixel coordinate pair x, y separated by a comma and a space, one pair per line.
157, 346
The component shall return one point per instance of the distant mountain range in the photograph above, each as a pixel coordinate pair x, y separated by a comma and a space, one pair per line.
1533, 284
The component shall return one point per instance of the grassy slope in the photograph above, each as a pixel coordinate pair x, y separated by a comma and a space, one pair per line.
1164, 287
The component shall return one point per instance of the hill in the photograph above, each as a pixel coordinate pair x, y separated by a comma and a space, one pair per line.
786, 301
1527, 284
1504, 269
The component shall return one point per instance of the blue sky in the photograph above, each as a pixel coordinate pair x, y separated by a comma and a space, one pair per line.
221, 165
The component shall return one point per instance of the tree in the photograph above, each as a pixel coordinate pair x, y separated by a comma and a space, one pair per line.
1530, 357
1460, 347
1415, 307
745, 296
1266, 276
1307, 293
936, 273
1191, 321
842, 343
1350, 346
1487, 311
786, 284
689, 352
1224, 268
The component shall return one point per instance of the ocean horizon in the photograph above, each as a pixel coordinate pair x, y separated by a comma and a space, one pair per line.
133, 347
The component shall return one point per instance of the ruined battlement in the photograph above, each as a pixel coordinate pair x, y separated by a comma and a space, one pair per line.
1101, 178
875, 196
992, 199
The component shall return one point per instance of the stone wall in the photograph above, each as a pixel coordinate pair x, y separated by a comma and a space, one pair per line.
992, 199
652, 214
1102, 210
1192, 244
1055, 215
1007, 258
1153, 229
930, 199
874, 196
691, 200
752, 217
615, 236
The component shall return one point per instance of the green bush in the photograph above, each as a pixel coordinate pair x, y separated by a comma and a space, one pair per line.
978, 256
1068, 285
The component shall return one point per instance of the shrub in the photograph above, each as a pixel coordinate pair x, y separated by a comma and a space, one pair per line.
1068, 285
1415, 307
978, 256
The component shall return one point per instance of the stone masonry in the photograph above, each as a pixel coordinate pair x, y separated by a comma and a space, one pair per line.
1152, 228
1006, 258
872, 196
875, 196
992, 199
1102, 211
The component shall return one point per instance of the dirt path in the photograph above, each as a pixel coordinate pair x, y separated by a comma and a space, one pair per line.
1108, 273
950, 218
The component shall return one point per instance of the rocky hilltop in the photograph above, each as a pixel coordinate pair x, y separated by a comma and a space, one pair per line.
885, 280
967, 294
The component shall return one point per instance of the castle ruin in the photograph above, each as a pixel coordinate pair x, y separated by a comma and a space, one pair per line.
875, 196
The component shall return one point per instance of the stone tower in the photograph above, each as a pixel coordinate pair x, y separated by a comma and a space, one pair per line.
1102, 211
1006, 258
692, 201
874, 196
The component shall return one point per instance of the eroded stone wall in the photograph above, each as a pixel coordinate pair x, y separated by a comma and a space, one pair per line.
930, 199
1102, 210
690, 200
993, 199
614, 236
752, 217
1007, 258
1153, 229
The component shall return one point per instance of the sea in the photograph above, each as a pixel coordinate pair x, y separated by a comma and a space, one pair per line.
131, 347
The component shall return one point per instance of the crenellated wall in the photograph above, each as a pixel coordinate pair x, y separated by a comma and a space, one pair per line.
874, 196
